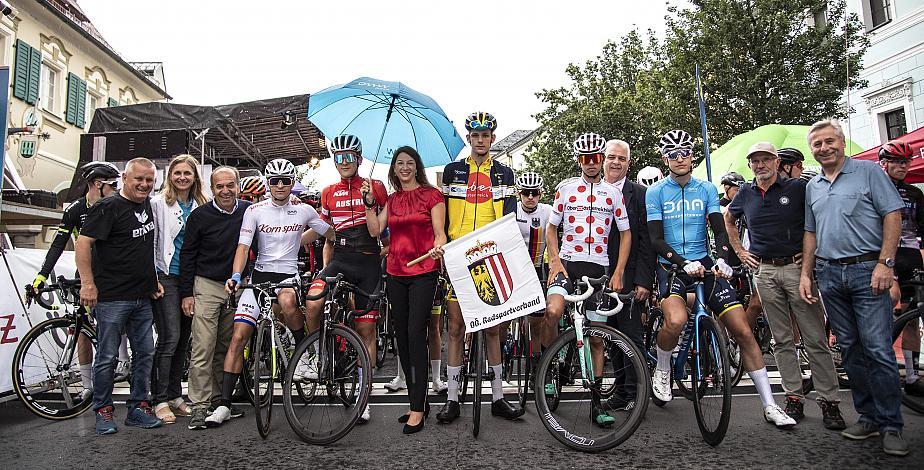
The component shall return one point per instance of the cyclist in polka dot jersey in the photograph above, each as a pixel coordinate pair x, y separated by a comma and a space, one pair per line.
585, 207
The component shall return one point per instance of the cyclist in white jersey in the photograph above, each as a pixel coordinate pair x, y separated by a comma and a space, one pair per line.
533, 217
586, 207
279, 226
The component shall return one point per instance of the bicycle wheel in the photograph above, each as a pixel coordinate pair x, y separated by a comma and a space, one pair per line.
46, 373
711, 382
383, 336
247, 370
265, 368
523, 362
906, 336
574, 421
341, 360
478, 359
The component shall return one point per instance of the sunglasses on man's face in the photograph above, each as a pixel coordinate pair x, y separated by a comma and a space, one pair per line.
342, 158
679, 153
275, 180
590, 159
530, 193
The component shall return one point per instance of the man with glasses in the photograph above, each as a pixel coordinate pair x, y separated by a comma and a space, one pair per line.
532, 217
681, 209
896, 157
102, 181
354, 252
586, 207
275, 227
774, 207
478, 190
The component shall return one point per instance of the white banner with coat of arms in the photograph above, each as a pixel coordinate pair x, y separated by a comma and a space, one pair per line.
493, 275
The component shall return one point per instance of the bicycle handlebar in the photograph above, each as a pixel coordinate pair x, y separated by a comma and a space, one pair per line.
33, 294
602, 283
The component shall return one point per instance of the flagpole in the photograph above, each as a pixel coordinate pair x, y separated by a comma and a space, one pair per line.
702, 123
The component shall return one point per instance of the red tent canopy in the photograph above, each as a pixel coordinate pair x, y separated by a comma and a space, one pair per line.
915, 139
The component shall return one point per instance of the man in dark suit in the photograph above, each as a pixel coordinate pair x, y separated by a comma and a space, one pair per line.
639, 273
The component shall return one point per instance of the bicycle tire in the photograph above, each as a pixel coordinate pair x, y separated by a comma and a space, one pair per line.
265, 367
913, 402
247, 370
523, 363
735, 365
43, 337
712, 356
654, 320
349, 412
575, 437
478, 340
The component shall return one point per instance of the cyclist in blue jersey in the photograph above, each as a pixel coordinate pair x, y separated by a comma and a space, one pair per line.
681, 209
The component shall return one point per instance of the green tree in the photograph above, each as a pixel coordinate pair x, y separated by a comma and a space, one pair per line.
761, 62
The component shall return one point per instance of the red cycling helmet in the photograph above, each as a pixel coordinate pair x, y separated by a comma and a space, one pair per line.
896, 150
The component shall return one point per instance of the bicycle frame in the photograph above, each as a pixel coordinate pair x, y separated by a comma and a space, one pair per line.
691, 336
577, 316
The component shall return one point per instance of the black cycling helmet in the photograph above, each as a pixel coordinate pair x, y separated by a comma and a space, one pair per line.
732, 179
789, 156
99, 171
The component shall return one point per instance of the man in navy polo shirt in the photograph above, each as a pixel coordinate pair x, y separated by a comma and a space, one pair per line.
774, 208
852, 226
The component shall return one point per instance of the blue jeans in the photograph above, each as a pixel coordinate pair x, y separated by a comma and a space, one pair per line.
173, 330
862, 322
134, 318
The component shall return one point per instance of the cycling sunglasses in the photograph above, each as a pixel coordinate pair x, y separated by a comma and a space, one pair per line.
113, 184
275, 180
341, 158
530, 192
679, 153
897, 160
590, 159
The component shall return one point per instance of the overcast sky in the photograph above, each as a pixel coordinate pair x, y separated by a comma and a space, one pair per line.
491, 56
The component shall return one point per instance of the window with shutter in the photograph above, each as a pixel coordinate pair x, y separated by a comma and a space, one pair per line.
35, 74
21, 70
76, 110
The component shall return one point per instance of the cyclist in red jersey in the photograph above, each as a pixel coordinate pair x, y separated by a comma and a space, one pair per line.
355, 251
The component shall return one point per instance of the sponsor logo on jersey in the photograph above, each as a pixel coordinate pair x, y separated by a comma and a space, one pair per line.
142, 217
478, 193
341, 193
784, 200
267, 228
687, 205
349, 203
144, 229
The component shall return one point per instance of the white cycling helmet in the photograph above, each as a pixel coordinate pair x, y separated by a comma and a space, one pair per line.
675, 140
589, 143
649, 175
346, 143
529, 180
279, 167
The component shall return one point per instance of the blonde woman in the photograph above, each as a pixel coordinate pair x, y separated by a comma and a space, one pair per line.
181, 194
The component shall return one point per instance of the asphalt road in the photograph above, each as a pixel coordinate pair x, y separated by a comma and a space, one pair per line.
668, 438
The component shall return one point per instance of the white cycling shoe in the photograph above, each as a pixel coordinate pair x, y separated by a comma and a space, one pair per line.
661, 385
396, 385
774, 414
439, 387
305, 372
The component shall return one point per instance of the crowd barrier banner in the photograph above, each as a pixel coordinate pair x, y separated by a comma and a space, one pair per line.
19, 268
493, 275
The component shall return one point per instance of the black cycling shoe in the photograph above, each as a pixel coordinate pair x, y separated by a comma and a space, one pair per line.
504, 409
915, 389
449, 412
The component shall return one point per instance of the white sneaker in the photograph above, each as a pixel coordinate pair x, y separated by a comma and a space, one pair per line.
122, 371
439, 387
364, 418
661, 385
305, 372
396, 385
219, 416
774, 414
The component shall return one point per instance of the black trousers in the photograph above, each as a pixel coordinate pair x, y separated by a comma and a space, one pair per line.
411, 299
629, 322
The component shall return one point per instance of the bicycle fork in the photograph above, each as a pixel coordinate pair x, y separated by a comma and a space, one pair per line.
583, 349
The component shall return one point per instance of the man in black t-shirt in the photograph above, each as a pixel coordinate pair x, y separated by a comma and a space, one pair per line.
116, 264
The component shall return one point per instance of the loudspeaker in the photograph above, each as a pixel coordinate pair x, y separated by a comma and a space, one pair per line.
123, 146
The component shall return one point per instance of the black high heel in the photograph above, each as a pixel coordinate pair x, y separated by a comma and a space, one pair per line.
403, 418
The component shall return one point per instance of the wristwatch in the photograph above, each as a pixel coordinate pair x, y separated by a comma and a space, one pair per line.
889, 262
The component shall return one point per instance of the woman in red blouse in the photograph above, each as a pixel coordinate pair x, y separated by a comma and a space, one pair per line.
415, 214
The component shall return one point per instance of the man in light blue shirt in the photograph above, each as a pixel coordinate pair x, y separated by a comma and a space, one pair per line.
852, 227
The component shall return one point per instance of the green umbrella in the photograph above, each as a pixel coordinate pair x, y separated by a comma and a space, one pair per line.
731, 155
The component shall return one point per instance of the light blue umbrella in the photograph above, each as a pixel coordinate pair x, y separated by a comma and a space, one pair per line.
385, 116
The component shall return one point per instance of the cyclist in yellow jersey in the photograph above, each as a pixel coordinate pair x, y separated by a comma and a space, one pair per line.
478, 191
